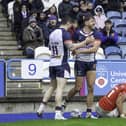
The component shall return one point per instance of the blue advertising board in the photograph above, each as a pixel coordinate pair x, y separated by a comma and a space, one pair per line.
2, 78
108, 74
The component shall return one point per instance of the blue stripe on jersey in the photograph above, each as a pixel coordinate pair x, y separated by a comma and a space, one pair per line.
81, 36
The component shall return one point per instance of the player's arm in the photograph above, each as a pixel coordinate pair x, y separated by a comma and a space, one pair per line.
92, 49
119, 103
72, 46
84, 43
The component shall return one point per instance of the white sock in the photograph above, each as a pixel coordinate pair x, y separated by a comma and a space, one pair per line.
41, 108
58, 112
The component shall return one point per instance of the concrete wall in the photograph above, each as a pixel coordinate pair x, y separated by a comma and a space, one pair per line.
32, 107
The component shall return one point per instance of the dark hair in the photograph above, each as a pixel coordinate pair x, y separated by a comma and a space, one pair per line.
68, 19
108, 21
88, 17
99, 9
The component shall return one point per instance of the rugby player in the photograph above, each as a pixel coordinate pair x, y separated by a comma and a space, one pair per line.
60, 42
111, 105
85, 63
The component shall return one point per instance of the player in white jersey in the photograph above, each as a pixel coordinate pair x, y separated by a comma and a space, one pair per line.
85, 61
59, 41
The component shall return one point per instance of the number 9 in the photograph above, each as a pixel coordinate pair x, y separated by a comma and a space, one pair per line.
32, 69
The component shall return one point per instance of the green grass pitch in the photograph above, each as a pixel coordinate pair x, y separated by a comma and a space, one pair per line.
71, 122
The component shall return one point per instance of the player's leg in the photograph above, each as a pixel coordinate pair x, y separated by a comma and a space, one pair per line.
61, 82
76, 88
72, 92
113, 113
62, 73
100, 112
79, 75
91, 76
119, 103
46, 97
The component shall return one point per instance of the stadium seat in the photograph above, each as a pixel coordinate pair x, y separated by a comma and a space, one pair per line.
124, 15
99, 54
113, 51
42, 53
114, 20
120, 23
121, 31
124, 56
122, 40
114, 14
122, 44
114, 57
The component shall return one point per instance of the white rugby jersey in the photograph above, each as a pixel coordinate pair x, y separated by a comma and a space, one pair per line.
59, 52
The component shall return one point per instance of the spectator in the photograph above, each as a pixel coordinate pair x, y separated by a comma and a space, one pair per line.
103, 3
24, 16
109, 36
51, 25
32, 37
114, 5
24, 21
100, 17
17, 21
42, 22
90, 7
36, 5
25, 2
82, 13
122, 5
64, 8
4, 6
75, 10
34, 13
52, 11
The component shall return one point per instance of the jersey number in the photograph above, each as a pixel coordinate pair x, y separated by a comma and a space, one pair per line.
109, 95
55, 50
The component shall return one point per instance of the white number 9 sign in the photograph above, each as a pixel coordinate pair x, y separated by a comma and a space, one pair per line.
31, 69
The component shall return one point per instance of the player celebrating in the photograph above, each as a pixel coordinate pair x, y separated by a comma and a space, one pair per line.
111, 105
85, 63
59, 41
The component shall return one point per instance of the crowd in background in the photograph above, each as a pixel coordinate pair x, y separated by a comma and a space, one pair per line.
32, 22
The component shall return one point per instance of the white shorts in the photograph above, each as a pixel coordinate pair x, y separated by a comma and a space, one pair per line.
103, 113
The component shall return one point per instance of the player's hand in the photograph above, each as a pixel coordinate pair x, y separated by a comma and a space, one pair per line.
75, 52
73, 48
89, 39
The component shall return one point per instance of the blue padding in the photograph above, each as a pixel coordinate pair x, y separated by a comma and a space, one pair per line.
30, 116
